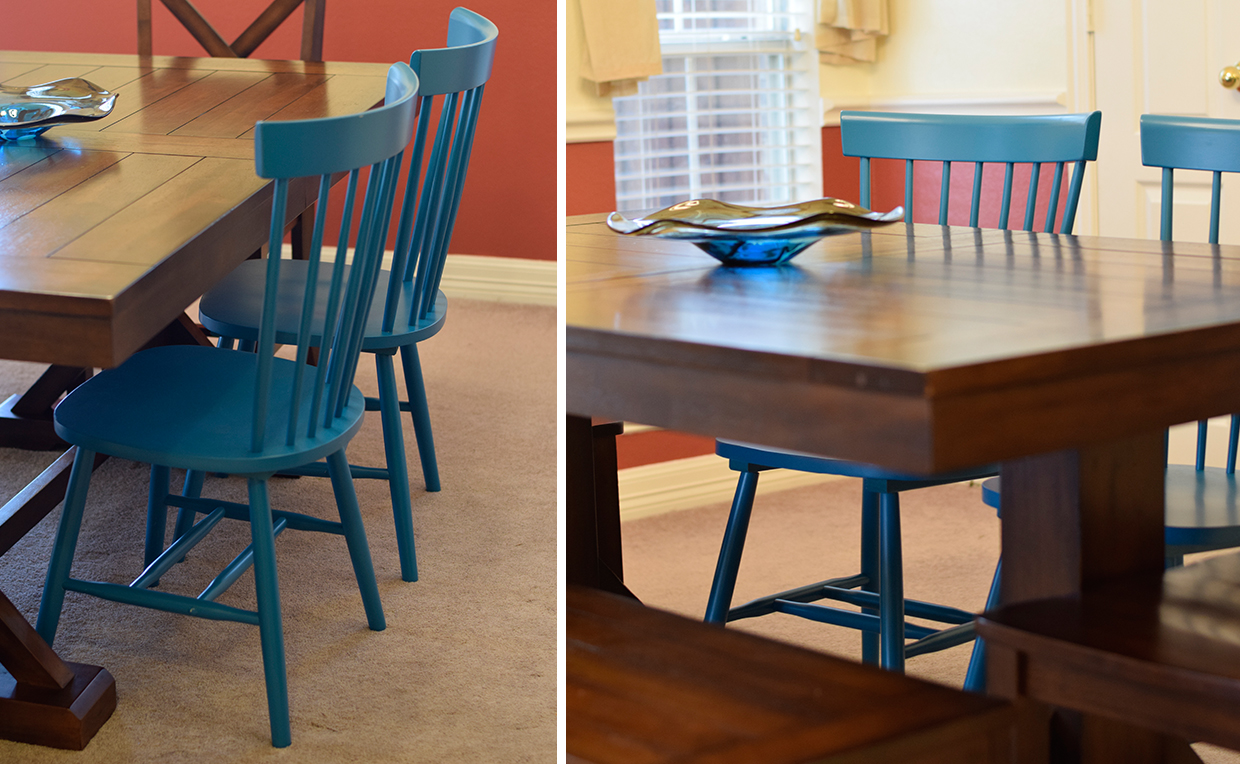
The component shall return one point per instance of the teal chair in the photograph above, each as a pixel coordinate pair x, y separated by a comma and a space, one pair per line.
1202, 513
250, 413
412, 309
878, 589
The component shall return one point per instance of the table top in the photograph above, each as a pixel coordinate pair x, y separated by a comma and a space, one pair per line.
109, 229
918, 347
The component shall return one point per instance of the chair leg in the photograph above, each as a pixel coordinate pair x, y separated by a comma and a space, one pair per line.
398, 471
65, 545
869, 569
191, 488
271, 627
156, 513
733, 545
355, 537
975, 677
416, 390
891, 576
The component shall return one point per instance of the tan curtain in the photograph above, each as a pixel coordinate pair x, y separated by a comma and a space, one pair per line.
621, 45
848, 30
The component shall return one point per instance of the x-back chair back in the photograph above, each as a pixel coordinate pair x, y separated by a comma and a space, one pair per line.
249, 40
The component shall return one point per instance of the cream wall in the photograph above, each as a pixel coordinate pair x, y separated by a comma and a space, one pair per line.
1008, 54
992, 55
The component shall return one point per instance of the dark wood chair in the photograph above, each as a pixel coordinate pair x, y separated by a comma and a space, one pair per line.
250, 39
646, 685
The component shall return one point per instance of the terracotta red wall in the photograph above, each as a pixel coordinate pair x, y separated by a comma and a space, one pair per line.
509, 205
589, 178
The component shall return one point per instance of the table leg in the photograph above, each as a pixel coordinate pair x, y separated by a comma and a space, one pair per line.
26, 419
1070, 520
301, 234
44, 700
592, 506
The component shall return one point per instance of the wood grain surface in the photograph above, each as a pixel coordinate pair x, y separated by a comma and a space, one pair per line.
110, 228
900, 342
648, 686
1159, 649
924, 349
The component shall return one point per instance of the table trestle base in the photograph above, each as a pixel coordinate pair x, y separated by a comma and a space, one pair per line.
57, 717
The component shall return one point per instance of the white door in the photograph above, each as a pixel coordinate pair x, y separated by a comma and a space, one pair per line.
1160, 57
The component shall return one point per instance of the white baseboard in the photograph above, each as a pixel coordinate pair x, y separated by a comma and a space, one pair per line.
483, 277
504, 279
1025, 103
654, 489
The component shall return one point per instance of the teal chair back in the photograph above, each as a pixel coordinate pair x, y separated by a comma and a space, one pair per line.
451, 82
1190, 143
291, 150
1010, 140
1194, 143
208, 409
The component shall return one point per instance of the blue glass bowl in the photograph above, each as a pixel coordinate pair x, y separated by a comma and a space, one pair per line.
27, 111
745, 236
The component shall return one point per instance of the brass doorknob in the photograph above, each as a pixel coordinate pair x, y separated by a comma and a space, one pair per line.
1230, 76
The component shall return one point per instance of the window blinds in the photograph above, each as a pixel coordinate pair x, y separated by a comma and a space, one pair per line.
736, 114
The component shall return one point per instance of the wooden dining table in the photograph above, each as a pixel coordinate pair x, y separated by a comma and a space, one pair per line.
920, 348
109, 230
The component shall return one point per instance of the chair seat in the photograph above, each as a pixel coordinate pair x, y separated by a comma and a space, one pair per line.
190, 407
762, 457
232, 308
1201, 513
1201, 508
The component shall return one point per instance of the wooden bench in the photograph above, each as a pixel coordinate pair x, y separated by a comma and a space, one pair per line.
646, 686
1159, 651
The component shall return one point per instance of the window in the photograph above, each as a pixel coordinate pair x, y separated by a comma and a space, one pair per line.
736, 115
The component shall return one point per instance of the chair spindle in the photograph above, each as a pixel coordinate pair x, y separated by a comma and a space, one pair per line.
908, 191
1005, 207
945, 192
1053, 206
975, 204
1031, 202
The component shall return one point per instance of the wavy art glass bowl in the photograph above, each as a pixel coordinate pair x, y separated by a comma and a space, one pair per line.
741, 236
27, 111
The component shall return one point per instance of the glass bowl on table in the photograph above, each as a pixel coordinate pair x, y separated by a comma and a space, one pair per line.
750, 236
28, 111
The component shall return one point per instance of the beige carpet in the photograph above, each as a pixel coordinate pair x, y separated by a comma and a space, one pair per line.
465, 670
796, 537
